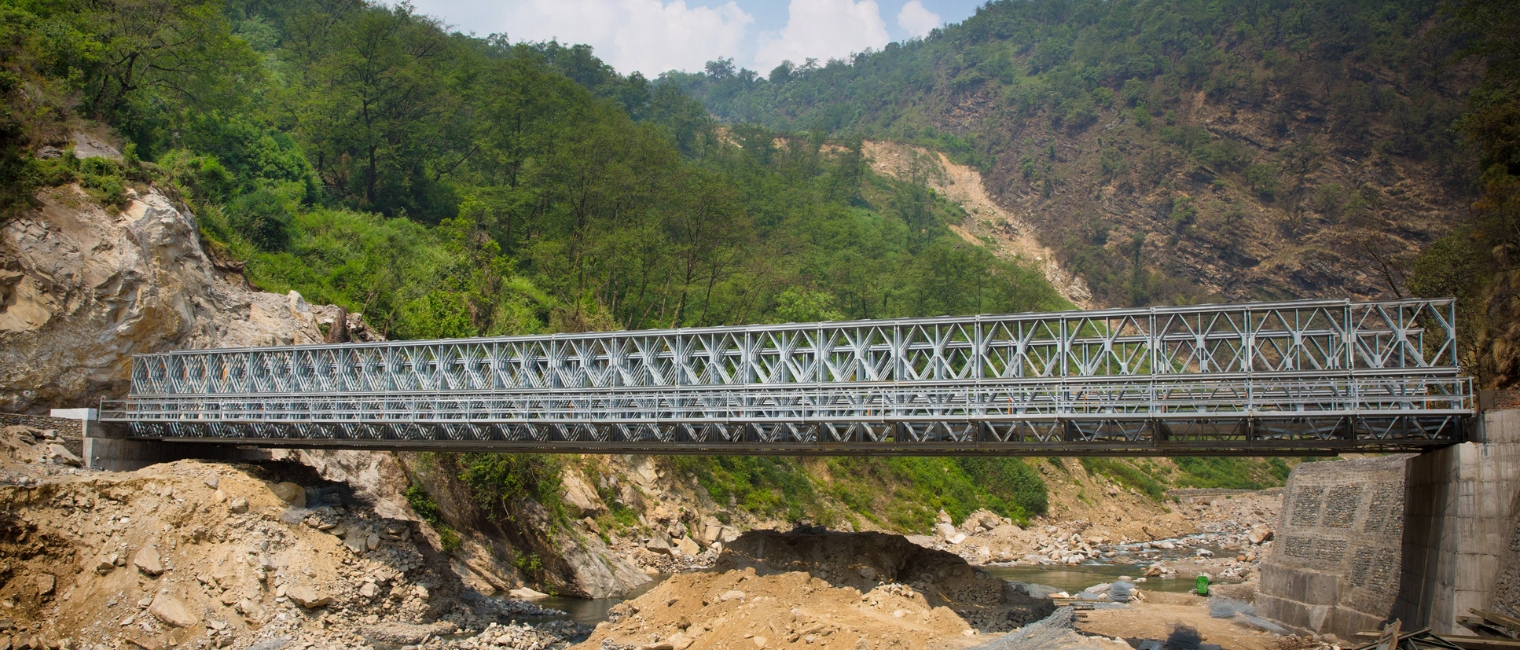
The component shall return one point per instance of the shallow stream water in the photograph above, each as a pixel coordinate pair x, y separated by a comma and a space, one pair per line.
594, 610
1073, 579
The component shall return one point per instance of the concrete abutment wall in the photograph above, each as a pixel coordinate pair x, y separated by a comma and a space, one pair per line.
100, 450
1463, 515
1418, 538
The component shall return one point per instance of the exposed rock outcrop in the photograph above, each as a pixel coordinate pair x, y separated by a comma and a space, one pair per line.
82, 290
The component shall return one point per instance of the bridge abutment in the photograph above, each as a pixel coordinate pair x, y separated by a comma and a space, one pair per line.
1421, 538
117, 453
1462, 527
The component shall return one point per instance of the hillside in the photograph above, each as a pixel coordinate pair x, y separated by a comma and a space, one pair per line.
1172, 151
445, 186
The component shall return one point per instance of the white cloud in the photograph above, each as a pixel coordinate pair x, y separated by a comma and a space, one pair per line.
823, 29
647, 36
917, 20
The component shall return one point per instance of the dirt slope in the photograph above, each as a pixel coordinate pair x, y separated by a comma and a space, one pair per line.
1006, 233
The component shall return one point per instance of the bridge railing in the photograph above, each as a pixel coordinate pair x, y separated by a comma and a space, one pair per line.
1112, 399
1314, 336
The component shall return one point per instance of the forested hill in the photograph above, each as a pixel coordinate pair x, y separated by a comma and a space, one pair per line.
446, 185
1174, 150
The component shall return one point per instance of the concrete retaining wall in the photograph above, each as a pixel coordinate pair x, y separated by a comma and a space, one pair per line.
1333, 568
1461, 535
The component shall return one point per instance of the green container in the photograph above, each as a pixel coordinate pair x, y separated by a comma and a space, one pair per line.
1203, 585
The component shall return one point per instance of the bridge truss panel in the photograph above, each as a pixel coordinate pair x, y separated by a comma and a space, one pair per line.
1294, 375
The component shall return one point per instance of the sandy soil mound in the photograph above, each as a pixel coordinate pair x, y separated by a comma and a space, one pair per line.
743, 609
847, 590
864, 561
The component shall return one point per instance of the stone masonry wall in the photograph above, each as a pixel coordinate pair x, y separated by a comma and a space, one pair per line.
1335, 566
68, 430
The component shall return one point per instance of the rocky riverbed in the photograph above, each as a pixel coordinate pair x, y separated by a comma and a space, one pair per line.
207, 555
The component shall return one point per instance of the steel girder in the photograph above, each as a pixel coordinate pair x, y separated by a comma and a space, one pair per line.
1308, 374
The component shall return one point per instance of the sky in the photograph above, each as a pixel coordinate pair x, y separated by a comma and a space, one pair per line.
655, 36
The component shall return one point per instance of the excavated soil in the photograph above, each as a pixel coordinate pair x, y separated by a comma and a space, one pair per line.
846, 590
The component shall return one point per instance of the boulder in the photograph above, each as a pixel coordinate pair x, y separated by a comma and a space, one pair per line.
60, 455
290, 493
688, 547
580, 497
45, 584
709, 530
238, 506
525, 593
148, 561
944, 530
659, 546
307, 597
172, 611
369, 590
1259, 534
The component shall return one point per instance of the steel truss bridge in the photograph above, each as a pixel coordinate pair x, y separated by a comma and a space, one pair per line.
1304, 377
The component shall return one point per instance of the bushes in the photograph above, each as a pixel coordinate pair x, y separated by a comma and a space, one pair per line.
422, 503
497, 481
765, 485
1010, 479
1126, 475
903, 494
1233, 473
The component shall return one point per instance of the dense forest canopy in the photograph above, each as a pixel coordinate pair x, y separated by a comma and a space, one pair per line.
1171, 143
447, 185
1069, 58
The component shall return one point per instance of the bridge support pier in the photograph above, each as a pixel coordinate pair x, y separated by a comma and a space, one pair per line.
1418, 538
104, 451
1461, 546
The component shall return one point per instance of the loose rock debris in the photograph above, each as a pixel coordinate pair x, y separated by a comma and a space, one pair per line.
202, 555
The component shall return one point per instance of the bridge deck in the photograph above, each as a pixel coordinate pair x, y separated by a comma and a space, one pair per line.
1300, 377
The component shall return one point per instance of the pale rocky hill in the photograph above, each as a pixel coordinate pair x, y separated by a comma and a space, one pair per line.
83, 288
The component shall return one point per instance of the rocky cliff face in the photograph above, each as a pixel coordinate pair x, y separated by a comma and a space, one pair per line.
82, 289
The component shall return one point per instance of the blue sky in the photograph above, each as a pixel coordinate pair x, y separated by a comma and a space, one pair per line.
653, 36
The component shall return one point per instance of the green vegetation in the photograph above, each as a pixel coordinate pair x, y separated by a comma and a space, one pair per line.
1127, 474
498, 481
446, 185
898, 493
1236, 473
1019, 91
1477, 263
422, 503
